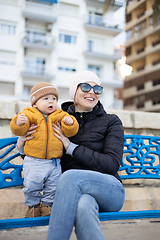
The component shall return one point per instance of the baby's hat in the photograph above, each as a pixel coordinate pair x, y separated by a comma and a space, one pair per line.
82, 77
40, 90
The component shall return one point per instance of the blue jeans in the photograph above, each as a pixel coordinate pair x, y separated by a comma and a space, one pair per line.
80, 195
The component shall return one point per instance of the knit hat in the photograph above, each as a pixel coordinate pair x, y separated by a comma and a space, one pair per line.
82, 77
40, 90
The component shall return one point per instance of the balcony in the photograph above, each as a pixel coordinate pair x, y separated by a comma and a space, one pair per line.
142, 54
142, 35
148, 69
37, 41
95, 23
102, 56
155, 43
99, 4
156, 62
141, 14
35, 70
41, 12
140, 50
46, 1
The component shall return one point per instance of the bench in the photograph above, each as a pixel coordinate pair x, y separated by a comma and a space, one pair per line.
141, 160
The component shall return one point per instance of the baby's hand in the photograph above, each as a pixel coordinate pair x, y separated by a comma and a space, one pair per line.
21, 119
68, 121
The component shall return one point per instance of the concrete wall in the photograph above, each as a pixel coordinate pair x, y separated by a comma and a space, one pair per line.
140, 194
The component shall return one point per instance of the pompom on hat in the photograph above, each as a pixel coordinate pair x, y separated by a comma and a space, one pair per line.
82, 77
40, 90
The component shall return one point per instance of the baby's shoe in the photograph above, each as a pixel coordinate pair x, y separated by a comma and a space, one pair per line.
34, 211
45, 210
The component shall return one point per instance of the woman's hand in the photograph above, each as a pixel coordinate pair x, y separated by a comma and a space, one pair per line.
60, 135
26, 137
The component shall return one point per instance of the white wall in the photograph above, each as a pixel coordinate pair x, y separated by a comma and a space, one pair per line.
70, 21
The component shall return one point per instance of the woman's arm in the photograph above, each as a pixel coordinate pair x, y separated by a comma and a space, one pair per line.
26, 137
69, 146
108, 159
60, 135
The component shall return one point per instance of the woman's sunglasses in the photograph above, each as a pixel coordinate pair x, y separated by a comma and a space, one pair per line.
85, 87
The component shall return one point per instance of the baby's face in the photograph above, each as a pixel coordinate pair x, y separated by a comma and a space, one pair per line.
47, 104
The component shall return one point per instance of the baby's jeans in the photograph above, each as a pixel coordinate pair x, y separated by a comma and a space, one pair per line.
40, 180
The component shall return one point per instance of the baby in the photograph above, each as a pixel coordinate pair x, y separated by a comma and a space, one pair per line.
41, 168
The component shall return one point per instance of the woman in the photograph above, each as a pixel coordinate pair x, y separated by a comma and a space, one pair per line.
90, 182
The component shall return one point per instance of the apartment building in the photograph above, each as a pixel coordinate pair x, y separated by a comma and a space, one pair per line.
142, 87
50, 40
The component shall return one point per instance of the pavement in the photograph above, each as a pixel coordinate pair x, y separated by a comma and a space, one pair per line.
144, 229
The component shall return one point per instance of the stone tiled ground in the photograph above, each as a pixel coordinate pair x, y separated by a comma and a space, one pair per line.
145, 229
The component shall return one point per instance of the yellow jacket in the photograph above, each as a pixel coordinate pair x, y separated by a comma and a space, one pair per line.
44, 144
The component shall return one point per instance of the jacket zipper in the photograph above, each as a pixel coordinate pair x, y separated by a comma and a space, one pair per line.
81, 120
47, 137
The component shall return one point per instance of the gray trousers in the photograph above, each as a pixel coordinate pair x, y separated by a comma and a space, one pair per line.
40, 180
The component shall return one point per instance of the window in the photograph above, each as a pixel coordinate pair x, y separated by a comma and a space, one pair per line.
67, 9
128, 18
6, 62
6, 29
90, 46
26, 93
98, 18
35, 37
128, 34
156, 82
67, 38
151, 21
7, 58
128, 51
95, 18
6, 88
95, 69
66, 65
66, 69
138, 29
140, 87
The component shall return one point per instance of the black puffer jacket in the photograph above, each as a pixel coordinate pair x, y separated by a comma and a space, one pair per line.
100, 139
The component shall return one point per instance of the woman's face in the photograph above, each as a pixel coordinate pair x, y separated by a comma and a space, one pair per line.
85, 101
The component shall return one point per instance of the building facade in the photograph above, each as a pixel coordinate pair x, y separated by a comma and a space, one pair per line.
142, 87
49, 40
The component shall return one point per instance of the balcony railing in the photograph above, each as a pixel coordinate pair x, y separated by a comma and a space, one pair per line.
140, 68
35, 70
155, 42
114, 2
141, 14
156, 62
103, 22
140, 50
37, 40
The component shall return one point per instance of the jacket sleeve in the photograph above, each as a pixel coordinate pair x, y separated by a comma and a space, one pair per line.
19, 130
109, 160
70, 131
